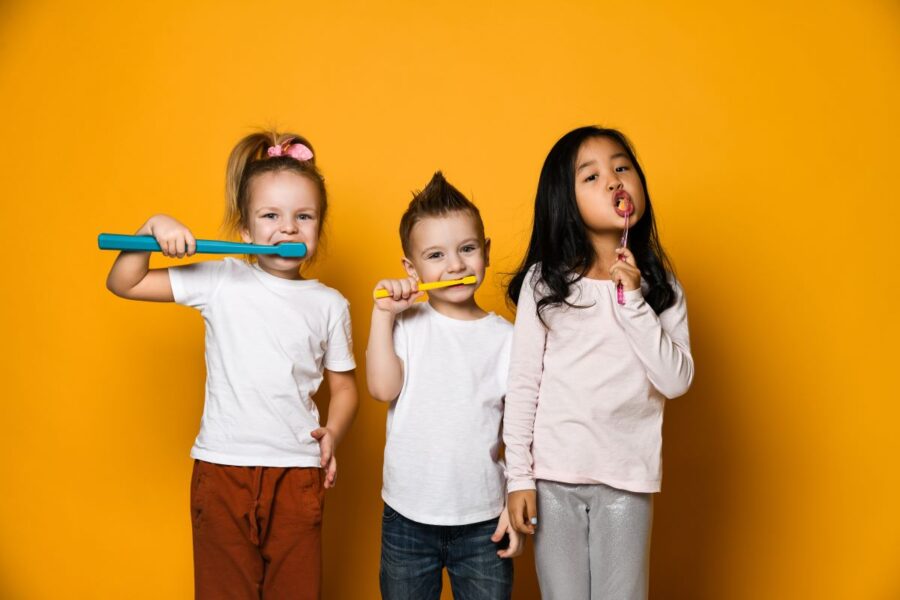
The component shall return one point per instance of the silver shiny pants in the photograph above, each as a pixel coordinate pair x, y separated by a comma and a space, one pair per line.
592, 542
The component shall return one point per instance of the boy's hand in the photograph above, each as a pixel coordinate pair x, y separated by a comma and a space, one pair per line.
173, 237
522, 507
625, 270
403, 293
326, 451
516, 542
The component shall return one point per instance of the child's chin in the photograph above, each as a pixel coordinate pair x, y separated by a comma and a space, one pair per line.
457, 295
281, 263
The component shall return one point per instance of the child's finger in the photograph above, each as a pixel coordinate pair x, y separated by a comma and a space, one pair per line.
623, 268
516, 519
519, 513
514, 548
499, 531
626, 255
615, 273
327, 452
191, 244
180, 247
331, 473
531, 512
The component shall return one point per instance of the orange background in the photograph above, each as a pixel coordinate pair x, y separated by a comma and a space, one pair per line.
768, 132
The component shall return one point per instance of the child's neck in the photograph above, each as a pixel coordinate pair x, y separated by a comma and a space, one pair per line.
462, 311
290, 274
605, 246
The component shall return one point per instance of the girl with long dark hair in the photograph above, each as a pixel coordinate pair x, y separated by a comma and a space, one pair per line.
601, 341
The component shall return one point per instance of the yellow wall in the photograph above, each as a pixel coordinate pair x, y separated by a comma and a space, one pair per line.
768, 131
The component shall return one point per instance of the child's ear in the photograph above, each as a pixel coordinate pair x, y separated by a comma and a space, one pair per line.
245, 235
410, 268
487, 252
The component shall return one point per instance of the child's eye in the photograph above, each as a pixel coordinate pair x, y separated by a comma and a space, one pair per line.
269, 216
431, 255
468, 249
304, 217
621, 169
591, 177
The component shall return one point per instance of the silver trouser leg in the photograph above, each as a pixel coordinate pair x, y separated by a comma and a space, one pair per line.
592, 542
620, 524
561, 550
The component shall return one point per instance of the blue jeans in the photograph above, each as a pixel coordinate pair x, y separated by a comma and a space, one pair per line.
414, 554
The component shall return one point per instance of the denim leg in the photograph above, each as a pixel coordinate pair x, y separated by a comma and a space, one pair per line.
476, 572
410, 558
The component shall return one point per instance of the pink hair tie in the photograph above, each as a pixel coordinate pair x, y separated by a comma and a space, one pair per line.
295, 151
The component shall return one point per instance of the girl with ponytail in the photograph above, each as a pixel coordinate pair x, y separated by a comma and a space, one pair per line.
262, 461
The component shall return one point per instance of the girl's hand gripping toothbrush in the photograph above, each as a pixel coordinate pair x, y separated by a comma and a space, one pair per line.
625, 207
147, 243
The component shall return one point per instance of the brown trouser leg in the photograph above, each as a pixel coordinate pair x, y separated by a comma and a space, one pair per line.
257, 532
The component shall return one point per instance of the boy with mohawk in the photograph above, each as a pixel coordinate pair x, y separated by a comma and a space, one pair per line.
442, 365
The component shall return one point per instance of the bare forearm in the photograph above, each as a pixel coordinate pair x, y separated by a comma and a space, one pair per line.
127, 271
342, 410
384, 370
130, 268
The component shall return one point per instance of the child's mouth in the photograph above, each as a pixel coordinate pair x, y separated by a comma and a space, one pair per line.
623, 205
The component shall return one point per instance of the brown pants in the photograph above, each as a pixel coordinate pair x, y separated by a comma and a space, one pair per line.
257, 532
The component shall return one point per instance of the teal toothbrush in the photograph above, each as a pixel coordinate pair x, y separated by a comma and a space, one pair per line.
147, 243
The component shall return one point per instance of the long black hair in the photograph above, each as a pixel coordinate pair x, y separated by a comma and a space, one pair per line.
559, 237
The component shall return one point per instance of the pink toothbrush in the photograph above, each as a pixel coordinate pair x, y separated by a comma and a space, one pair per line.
624, 205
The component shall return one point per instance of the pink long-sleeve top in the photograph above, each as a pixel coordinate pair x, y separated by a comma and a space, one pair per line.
586, 393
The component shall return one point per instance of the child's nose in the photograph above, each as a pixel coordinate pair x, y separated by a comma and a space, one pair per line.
289, 226
614, 183
456, 263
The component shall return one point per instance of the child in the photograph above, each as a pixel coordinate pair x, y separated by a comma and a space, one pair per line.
262, 460
442, 364
589, 376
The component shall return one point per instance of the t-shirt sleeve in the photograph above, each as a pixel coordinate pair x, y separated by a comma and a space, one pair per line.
193, 285
339, 354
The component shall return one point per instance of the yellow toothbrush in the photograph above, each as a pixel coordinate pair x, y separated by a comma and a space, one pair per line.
433, 285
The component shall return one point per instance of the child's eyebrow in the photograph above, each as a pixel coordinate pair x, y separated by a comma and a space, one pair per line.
593, 162
305, 209
585, 165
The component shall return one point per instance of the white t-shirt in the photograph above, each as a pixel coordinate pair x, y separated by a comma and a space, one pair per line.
267, 342
441, 459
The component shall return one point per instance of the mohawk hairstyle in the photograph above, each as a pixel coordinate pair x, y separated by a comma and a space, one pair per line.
438, 199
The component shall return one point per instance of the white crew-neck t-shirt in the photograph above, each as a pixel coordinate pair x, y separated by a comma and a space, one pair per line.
268, 340
441, 459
